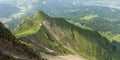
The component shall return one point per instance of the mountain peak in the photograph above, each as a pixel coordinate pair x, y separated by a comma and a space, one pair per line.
41, 15
63, 37
31, 25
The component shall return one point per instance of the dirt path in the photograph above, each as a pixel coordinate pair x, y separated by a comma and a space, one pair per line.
67, 57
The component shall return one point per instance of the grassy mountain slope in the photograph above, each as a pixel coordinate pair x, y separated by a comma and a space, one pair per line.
107, 19
57, 36
10, 49
30, 25
107, 28
42, 39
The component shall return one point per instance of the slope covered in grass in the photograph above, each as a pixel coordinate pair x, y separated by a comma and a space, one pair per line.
30, 25
57, 36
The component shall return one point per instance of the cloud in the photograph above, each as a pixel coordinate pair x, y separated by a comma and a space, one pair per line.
30, 6
23, 5
34, 0
5, 20
44, 2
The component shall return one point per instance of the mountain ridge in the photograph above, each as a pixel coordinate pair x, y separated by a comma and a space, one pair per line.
57, 36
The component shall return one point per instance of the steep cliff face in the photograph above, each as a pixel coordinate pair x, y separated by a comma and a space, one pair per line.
10, 49
57, 36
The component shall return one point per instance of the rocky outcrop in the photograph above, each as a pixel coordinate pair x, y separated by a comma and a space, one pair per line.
11, 49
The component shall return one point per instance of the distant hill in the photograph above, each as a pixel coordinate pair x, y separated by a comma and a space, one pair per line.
57, 37
78, 11
98, 18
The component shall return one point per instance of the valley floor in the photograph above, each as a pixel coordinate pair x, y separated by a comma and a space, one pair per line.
59, 57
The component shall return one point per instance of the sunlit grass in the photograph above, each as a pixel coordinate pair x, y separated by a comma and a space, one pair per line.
89, 17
